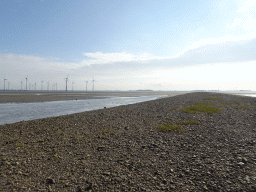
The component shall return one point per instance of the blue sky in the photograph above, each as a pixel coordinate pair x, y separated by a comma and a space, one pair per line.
127, 45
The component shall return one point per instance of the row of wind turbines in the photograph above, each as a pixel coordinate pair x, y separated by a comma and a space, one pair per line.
54, 86
66, 79
33, 86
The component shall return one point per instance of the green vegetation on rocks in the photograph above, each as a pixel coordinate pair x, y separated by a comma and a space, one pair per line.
243, 97
246, 107
60, 132
201, 108
170, 127
19, 144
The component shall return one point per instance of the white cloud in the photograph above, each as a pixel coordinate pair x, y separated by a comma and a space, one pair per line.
241, 27
199, 68
207, 76
244, 20
236, 23
108, 58
250, 24
246, 6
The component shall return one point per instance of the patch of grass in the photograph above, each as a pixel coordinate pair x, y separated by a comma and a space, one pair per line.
79, 138
174, 108
201, 108
107, 131
243, 97
53, 157
170, 127
102, 122
19, 144
121, 109
60, 133
191, 122
246, 107
213, 98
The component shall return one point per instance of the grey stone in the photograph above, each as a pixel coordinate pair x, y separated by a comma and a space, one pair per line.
118, 179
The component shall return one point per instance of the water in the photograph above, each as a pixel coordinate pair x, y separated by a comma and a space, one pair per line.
249, 95
15, 112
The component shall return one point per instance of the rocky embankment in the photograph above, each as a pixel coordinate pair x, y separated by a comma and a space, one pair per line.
121, 148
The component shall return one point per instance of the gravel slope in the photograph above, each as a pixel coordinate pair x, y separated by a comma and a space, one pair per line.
120, 149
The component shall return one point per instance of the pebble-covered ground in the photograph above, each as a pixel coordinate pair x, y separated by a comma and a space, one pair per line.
121, 148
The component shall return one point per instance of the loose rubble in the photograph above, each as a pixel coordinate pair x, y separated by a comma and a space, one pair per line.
121, 149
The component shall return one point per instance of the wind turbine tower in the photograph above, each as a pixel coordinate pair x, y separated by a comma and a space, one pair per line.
66, 79
4, 83
93, 84
47, 86
86, 84
35, 86
73, 86
26, 83
42, 85
21, 85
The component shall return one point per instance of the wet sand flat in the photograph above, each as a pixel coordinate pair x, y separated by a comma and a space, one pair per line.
27, 97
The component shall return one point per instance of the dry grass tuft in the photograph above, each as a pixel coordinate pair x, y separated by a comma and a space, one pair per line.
170, 127
201, 108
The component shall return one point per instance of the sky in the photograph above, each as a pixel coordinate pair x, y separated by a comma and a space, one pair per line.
128, 45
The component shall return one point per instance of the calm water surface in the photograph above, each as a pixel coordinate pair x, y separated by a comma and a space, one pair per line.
15, 112
249, 95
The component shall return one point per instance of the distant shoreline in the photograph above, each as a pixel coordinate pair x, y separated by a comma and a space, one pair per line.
44, 96
31, 97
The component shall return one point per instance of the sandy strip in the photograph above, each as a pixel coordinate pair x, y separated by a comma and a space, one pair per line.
21, 97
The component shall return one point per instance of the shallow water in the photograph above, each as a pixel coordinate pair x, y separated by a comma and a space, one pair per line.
15, 112
249, 95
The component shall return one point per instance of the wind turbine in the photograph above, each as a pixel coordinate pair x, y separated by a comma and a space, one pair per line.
93, 84
86, 84
42, 82
21, 85
26, 82
66, 79
35, 86
72, 86
4, 83
47, 86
